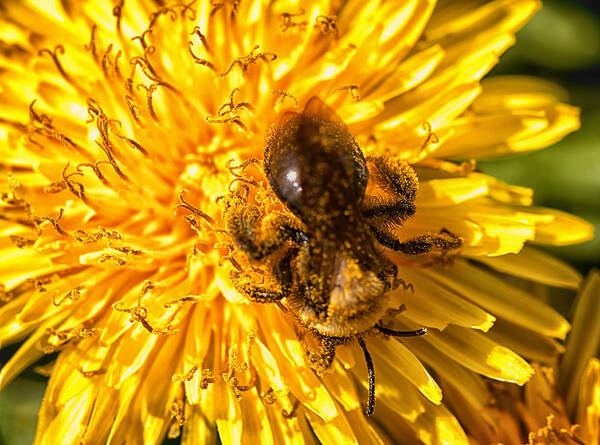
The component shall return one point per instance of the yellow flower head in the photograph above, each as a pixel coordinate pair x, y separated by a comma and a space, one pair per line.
559, 405
142, 241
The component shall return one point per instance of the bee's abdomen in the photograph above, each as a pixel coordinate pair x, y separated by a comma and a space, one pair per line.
315, 166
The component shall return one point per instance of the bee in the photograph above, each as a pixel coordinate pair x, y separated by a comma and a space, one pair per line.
328, 248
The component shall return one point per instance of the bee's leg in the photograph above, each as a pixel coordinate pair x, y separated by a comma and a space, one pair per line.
398, 181
322, 360
261, 236
420, 244
388, 274
264, 294
370, 408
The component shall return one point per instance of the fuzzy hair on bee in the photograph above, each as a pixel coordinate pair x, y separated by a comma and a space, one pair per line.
327, 249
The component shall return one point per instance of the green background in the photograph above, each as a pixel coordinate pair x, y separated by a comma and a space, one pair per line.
562, 44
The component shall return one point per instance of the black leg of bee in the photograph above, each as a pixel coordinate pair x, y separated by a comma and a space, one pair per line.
399, 179
371, 370
393, 333
420, 244
260, 240
323, 359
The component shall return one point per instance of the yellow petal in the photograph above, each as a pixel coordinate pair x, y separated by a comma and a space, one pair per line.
563, 229
255, 424
444, 192
512, 114
583, 342
391, 389
517, 92
588, 407
435, 306
28, 353
476, 352
228, 414
396, 355
197, 429
365, 431
410, 73
529, 344
341, 386
70, 424
439, 426
336, 430
535, 265
469, 384
499, 297
290, 359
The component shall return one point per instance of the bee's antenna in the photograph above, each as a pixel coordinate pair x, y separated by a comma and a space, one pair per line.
371, 370
393, 333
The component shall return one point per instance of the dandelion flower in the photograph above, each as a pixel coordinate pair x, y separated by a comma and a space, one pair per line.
126, 127
561, 402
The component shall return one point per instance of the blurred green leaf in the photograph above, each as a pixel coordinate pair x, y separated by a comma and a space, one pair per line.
564, 176
19, 405
562, 36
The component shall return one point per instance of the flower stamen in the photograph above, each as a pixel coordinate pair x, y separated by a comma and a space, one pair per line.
149, 91
234, 119
92, 45
245, 61
287, 21
178, 414
186, 376
292, 412
353, 91
230, 107
328, 24
117, 12
133, 109
194, 210
142, 38
181, 300
72, 296
38, 220
430, 139
200, 61
139, 313
283, 94
58, 339
83, 237
187, 8
58, 49
21, 241
198, 32
91, 373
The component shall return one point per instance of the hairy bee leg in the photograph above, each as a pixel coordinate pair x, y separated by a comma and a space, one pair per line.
389, 274
323, 359
397, 178
420, 244
256, 293
263, 294
394, 333
260, 238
